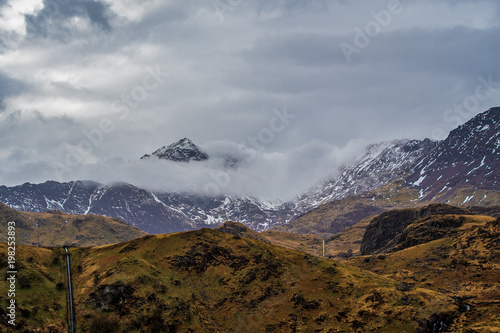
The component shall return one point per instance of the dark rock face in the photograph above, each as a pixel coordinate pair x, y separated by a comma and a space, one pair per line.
428, 229
200, 257
110, 297
387, 226
489, 211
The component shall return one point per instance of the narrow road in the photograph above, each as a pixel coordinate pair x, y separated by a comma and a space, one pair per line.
70, 288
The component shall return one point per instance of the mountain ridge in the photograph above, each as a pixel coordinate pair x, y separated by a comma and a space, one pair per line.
468, 157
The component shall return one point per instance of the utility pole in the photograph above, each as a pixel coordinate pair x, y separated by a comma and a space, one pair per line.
323, 247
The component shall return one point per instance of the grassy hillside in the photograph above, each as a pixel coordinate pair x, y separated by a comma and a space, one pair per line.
311, 244
347, 243
239, 229
211, 281
462, 262
335, 216
340, 246
55, 228
40, 290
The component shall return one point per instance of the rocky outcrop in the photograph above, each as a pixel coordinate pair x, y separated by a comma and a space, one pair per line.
387, 226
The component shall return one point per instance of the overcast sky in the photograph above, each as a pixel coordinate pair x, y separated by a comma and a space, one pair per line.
303, 83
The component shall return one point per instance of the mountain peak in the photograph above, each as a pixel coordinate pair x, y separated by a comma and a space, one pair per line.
183, 150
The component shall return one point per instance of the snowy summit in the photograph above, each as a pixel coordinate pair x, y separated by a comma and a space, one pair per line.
182, 151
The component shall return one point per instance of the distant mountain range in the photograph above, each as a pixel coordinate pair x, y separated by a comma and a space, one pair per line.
463, 169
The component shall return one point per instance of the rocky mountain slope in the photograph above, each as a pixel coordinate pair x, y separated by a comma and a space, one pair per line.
137, 206
55, 228
381, 163
467, 159
334, 216
212, 281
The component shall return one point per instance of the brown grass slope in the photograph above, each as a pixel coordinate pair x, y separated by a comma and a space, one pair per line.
211, 281
311, 244
339, 246
55, 228
333, 217
347, 243
458, 255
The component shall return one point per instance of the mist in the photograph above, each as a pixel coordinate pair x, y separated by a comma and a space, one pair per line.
270, 175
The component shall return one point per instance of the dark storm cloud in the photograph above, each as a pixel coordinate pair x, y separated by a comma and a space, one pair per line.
56, 13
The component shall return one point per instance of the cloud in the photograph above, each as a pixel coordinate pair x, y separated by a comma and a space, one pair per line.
9, 87
228, 70
273, 175
58, 16
28, 139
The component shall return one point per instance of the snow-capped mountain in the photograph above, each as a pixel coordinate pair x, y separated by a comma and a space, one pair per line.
467, 158
182, 151
120, 200
381, 163
153, 212
157, 212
